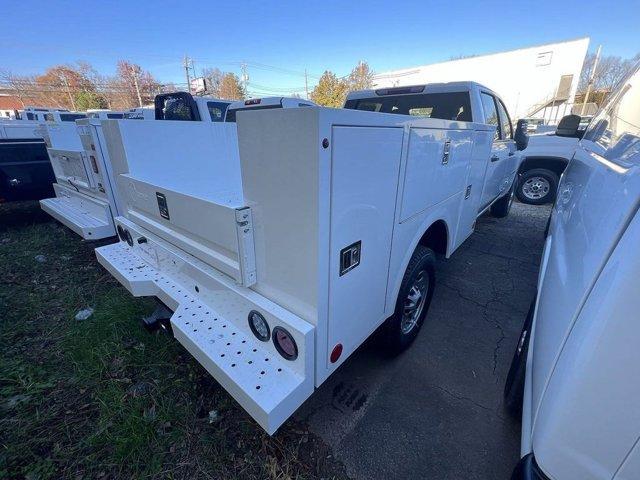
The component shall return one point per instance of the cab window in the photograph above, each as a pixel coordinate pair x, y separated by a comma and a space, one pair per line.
490, 112
445, 106
217, 111
506, 131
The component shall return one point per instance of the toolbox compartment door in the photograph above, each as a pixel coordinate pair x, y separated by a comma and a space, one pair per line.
365, 168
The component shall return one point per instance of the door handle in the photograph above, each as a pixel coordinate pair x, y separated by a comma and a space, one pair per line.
495, 158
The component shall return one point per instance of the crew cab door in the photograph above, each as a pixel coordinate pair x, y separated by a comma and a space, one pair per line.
510, 164
496, 168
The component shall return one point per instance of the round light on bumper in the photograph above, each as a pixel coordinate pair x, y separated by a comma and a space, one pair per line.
259, 326
284, 343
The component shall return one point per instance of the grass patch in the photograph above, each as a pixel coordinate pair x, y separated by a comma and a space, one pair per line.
101, 398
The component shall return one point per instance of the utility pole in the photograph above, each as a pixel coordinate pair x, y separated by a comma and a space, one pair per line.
135, 82
186, 71
66, 83
306, 83
245, 77
591, 77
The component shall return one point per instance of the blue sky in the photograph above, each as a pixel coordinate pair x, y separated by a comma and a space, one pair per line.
294, 36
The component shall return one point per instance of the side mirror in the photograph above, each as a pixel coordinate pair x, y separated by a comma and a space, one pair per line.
568, 126
521, 136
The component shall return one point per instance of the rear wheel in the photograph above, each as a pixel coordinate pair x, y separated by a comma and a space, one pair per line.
413, 301
537, 186
514, 385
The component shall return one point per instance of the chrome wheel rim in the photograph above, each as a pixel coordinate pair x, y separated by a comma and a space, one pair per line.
414, 302
535, 188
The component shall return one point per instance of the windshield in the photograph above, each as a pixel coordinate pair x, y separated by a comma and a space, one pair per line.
446, 106
615, 130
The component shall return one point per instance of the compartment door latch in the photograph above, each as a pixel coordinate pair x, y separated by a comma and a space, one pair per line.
350, 257
446, 151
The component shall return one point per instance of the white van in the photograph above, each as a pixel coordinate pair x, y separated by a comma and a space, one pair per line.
576, 369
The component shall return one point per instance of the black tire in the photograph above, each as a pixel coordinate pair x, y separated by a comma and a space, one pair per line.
394, 338
501, 207
544, 176
514, 385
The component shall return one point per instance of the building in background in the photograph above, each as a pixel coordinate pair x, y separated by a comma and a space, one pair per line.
9, 105
535, 82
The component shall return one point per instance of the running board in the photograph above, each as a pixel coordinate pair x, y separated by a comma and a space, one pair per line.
212, 325
88, 217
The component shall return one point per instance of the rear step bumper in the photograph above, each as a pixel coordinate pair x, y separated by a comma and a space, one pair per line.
210, 321
88, 217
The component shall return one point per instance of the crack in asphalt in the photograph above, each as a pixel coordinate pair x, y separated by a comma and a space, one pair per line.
470, 400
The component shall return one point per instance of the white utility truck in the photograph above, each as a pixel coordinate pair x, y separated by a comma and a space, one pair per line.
266, 103
86, 198
278, 267
545, 158
576, 370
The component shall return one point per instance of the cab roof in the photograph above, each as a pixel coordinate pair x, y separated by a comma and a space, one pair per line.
417, 89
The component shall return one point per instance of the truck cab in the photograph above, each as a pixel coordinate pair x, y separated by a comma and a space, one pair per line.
265, 103
183, 106
460, 102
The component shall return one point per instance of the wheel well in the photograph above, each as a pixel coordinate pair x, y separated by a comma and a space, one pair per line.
555, 164
435, 237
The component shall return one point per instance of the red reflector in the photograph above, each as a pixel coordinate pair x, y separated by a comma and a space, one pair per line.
335, 354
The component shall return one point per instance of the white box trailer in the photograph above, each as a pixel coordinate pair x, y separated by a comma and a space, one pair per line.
327, 233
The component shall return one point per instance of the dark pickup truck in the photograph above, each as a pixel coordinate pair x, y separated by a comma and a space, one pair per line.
25, 169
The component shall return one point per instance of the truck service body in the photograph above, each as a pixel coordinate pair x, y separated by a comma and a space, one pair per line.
279, 266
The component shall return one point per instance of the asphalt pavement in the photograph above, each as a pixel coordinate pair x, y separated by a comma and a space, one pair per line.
435, 411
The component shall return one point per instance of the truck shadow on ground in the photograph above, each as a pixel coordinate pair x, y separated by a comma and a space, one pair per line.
436, 410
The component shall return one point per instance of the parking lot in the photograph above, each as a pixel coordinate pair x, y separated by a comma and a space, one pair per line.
436, 410
95, 397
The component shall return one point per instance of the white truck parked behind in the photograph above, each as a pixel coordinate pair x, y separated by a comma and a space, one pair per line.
86, 197
277, 268
544, 160
575, 374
